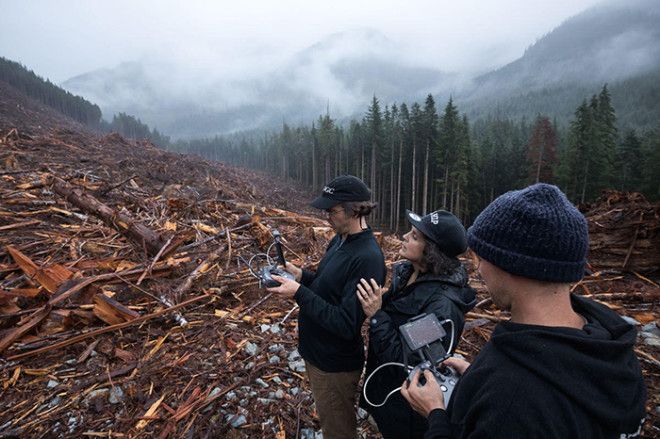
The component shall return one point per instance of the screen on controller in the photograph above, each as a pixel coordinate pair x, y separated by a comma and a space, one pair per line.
422, 332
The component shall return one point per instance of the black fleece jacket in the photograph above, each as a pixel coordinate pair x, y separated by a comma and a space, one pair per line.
330, 315
448, 297
546, 382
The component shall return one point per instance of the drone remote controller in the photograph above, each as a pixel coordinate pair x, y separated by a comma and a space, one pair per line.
266, 276
266, 273
446, 377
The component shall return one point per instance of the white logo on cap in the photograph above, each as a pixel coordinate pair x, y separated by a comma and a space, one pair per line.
435, 218
415, 217
328, 190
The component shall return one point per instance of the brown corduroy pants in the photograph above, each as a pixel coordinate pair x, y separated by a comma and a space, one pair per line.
335, 395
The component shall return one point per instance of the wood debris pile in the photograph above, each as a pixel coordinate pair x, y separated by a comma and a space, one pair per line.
624, 232
127, 309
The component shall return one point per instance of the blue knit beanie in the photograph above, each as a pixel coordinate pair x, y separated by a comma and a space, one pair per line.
535, 233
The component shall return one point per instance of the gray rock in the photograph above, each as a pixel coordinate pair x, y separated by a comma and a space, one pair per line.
297, 366
231, 396
652, 328
52, 383
279, 394
275, 329
265, 401
277, 380
275, 348
274, 359
72, 424
271, 395
236, 420
652, 341
261, 382
251, 348
214, 392
243, 402
309, 433
98, 392
294, 355
249, 366
264, 327
55, 401
116, 395
294, 391
631, 320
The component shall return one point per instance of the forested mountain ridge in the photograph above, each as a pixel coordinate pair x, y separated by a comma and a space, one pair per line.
16, 78
47, 93
615, 42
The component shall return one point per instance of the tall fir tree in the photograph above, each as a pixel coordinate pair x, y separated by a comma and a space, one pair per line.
542, 151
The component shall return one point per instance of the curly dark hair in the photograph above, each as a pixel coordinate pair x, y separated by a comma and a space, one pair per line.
358, 208
438, 263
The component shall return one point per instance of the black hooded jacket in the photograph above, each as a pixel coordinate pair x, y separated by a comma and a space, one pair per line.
448, 297
548, 382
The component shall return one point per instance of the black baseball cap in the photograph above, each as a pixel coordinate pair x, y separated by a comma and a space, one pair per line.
443, 228
342, 188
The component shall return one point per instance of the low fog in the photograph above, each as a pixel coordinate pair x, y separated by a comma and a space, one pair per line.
201, 68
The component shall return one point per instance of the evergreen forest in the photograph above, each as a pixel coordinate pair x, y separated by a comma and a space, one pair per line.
416, 156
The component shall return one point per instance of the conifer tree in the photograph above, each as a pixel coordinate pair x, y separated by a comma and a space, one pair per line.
542, 151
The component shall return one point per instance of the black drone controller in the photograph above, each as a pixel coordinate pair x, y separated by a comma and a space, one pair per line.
266, 273
266, 276
445, 376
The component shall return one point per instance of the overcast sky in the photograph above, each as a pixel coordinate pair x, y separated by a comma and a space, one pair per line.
59, 39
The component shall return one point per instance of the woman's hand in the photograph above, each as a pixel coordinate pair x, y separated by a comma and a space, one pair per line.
370, 296
296, 271
287, 288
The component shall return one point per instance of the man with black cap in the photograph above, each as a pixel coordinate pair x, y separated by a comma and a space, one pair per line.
563, 366
330, 316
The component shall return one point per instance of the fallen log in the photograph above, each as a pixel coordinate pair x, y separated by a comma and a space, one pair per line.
81, 337
133, 229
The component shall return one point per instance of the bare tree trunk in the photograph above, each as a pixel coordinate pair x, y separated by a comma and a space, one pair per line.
414, 185
398, 187
362, 162
538, 167
426, 180
584, 182
374, 189
391, 206
444, 189
458, 200
314, 186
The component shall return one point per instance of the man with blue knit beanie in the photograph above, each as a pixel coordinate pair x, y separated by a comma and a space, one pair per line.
563, 366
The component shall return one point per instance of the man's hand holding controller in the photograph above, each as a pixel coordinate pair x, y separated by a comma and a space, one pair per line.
428, 397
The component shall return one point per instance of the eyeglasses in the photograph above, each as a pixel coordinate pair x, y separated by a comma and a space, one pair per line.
333, 211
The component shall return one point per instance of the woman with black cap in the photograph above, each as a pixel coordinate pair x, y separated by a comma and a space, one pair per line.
429, 280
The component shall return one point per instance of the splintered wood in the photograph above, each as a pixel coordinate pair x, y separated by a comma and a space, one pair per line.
127, 308
624, 232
